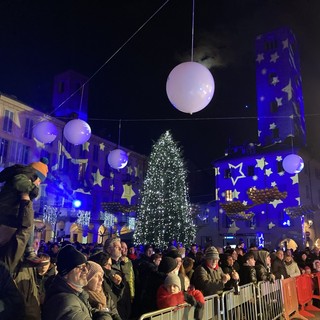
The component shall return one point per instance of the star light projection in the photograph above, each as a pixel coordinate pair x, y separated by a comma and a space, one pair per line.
252, 182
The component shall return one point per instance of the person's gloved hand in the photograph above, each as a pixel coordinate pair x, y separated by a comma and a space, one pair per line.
190, 299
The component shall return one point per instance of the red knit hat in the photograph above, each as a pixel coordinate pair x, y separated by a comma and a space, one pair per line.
41, 168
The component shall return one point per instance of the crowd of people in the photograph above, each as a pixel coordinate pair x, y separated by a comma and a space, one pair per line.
115, 280
62, 281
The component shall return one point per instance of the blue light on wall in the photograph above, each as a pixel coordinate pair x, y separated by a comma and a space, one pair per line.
76, 203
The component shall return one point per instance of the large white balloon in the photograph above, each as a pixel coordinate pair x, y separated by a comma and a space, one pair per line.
117, 159
190, 87
77, 131
293, 163
45, 131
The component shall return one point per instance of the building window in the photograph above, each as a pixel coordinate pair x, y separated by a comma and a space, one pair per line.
19, 153
279, 166
270, 45
273, 78
274, 106
8, 121
4, 145
96, 149
227, 173
251, 172
228, 195
275, 133
28, 129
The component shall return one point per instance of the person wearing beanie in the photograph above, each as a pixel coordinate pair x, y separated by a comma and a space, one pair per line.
169, 294
208, 277
151, 281
21, 186
65, 298
97, 298
185, 281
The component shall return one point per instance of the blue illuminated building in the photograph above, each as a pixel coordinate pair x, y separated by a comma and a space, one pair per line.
281, 131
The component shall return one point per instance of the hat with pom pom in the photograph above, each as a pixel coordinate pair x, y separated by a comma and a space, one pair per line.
41, 168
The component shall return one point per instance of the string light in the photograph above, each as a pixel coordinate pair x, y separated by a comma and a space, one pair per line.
83, 217
50, 214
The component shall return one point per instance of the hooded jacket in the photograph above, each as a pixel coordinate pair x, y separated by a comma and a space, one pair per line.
262, 270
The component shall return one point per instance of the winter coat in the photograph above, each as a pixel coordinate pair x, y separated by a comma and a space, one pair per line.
278, 268
11, 300
262, 270
247, 275
292, 268
18, 179
64, 303
208, 280
166, 299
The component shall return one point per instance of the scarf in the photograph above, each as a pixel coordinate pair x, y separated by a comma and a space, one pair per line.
97, 299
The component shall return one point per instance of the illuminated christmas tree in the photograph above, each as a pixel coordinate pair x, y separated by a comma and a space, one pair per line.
164, 212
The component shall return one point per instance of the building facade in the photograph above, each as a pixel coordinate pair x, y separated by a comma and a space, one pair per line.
76, 172
257, 201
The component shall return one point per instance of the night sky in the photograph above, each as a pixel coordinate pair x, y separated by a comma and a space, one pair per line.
40, 39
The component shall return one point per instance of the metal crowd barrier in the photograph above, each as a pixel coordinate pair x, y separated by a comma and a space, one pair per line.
212, 308
180, 312
242, 306
262, 302
270, 301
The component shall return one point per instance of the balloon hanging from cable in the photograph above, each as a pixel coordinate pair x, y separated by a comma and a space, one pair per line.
190, 85
118, 158
77, 131
45, 131
293, 163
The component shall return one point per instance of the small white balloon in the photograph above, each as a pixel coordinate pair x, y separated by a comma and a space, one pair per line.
45, 131
190, 87
77, 131
293, 163
117, 159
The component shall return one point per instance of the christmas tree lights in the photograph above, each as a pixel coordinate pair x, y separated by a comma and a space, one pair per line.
164, 212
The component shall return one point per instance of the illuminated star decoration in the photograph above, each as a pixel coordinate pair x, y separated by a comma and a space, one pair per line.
288, 90
279, 102
272, 126
215, 219
276, 202
235, 194
274, 57
273, 184
268, 172
102, 146
39, 144
279, 158
285, 44
129, 170
128, 192
112, 187
217, 171
260, 57
271, 225
240, 175
233, 228
85, 146
275, 80
260, 163
217, 194
295, 179
98, 178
